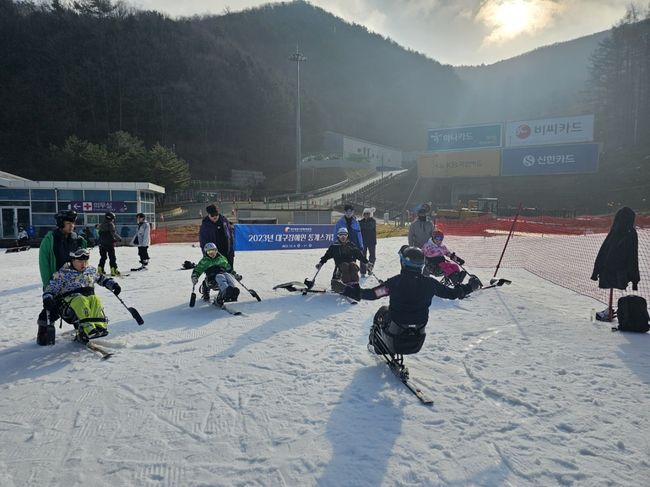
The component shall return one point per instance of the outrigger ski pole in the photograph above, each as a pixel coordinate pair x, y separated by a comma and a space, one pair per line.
133, 311
310, 283
193, 297
496, 283
252, 292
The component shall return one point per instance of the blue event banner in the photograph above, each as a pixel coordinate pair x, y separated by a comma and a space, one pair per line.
469, 137
550, 159
283, 237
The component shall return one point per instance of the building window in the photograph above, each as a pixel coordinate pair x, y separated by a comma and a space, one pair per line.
97, 195
43, 194
44, 206
43, 219
71, 195
14, 194
124, 196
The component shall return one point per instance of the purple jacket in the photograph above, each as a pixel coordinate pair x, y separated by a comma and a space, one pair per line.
219, 233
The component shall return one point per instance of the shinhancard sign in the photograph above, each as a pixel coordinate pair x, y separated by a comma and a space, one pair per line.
467, 163
550, 159
467, 137
562, 130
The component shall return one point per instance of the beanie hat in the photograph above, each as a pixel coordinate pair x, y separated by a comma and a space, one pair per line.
369, 210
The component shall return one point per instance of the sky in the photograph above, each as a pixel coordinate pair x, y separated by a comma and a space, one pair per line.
457, 32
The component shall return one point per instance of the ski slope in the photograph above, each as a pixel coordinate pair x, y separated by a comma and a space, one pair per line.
527, 390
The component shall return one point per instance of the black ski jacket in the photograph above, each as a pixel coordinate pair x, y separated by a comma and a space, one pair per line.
617, 263
107, 234
410, 296
368, 231
343, 252
219, 233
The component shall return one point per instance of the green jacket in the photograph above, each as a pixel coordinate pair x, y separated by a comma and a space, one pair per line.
206, 263
47, 257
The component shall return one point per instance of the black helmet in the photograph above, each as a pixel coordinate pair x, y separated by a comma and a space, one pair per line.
110, 216
65, 216
412, 258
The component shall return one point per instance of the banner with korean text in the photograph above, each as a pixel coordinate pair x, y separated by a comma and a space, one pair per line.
550, 159
560, 130
467, 163
468, 137
283, 237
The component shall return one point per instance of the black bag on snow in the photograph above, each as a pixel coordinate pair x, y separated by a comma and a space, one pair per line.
632, 314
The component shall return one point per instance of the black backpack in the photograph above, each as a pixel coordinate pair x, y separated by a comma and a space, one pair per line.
632, 314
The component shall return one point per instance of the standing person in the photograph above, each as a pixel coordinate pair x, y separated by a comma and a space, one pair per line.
107, 238
345, 255
420, 230
142, 239
401, 324
216, 228
617, 262
369, 235
350, 222
53, 253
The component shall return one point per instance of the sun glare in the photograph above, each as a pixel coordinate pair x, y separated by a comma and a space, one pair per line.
513, 17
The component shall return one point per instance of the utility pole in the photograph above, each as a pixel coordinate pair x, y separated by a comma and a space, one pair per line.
298, 57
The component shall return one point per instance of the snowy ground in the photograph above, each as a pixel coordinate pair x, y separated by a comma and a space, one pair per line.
527, 390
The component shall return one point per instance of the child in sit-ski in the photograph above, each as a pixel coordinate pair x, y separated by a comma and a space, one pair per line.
436, 252
217, 277
71, 294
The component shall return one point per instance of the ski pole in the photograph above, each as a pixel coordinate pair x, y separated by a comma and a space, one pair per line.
310, 283
193, 297
375, 276
512, 228
497, 283
133, 311
252, 292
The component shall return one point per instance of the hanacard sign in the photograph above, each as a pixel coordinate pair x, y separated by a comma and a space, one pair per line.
468, 137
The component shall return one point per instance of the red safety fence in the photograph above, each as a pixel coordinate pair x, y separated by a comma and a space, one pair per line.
560, 250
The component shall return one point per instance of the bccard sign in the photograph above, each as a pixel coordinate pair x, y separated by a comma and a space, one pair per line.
550, 131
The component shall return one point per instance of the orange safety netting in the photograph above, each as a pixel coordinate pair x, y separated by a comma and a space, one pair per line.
560, 250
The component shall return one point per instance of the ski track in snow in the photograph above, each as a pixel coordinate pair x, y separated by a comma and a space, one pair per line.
527, 390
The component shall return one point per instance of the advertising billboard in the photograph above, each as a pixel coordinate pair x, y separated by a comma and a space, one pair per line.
467, 163
283, 237
560, 130
468, 137
550, 159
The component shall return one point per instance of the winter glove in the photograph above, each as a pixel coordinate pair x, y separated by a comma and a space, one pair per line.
338, 286
474, 283
464, 290
456, 259
370, 267
236, 276
635, 286
319, 265
116, 289
195, 278
49, 304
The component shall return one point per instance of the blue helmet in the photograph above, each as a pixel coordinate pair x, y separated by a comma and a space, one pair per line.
411, 258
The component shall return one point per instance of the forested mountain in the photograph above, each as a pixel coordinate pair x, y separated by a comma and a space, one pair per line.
549, 81
220, 90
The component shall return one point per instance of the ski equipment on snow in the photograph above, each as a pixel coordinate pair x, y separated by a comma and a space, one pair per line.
193, 296
133, 311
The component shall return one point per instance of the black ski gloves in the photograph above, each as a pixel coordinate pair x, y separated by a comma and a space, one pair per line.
338, 286
116, 289
235, 275
474, 282
50, 304
456, 259
352, 292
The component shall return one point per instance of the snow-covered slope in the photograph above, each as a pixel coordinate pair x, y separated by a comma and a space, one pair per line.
527, 390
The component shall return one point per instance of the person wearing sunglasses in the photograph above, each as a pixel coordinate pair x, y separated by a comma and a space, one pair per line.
71, 294
350, 222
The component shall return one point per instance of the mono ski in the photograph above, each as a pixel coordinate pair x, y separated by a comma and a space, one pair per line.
396, 365
101, 352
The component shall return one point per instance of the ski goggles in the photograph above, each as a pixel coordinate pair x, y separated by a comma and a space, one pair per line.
212, 252
80, 254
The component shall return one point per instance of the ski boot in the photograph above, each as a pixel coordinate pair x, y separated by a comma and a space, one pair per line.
457, 277
100, 270
115, 272
89, 331
231, 294
205, 292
